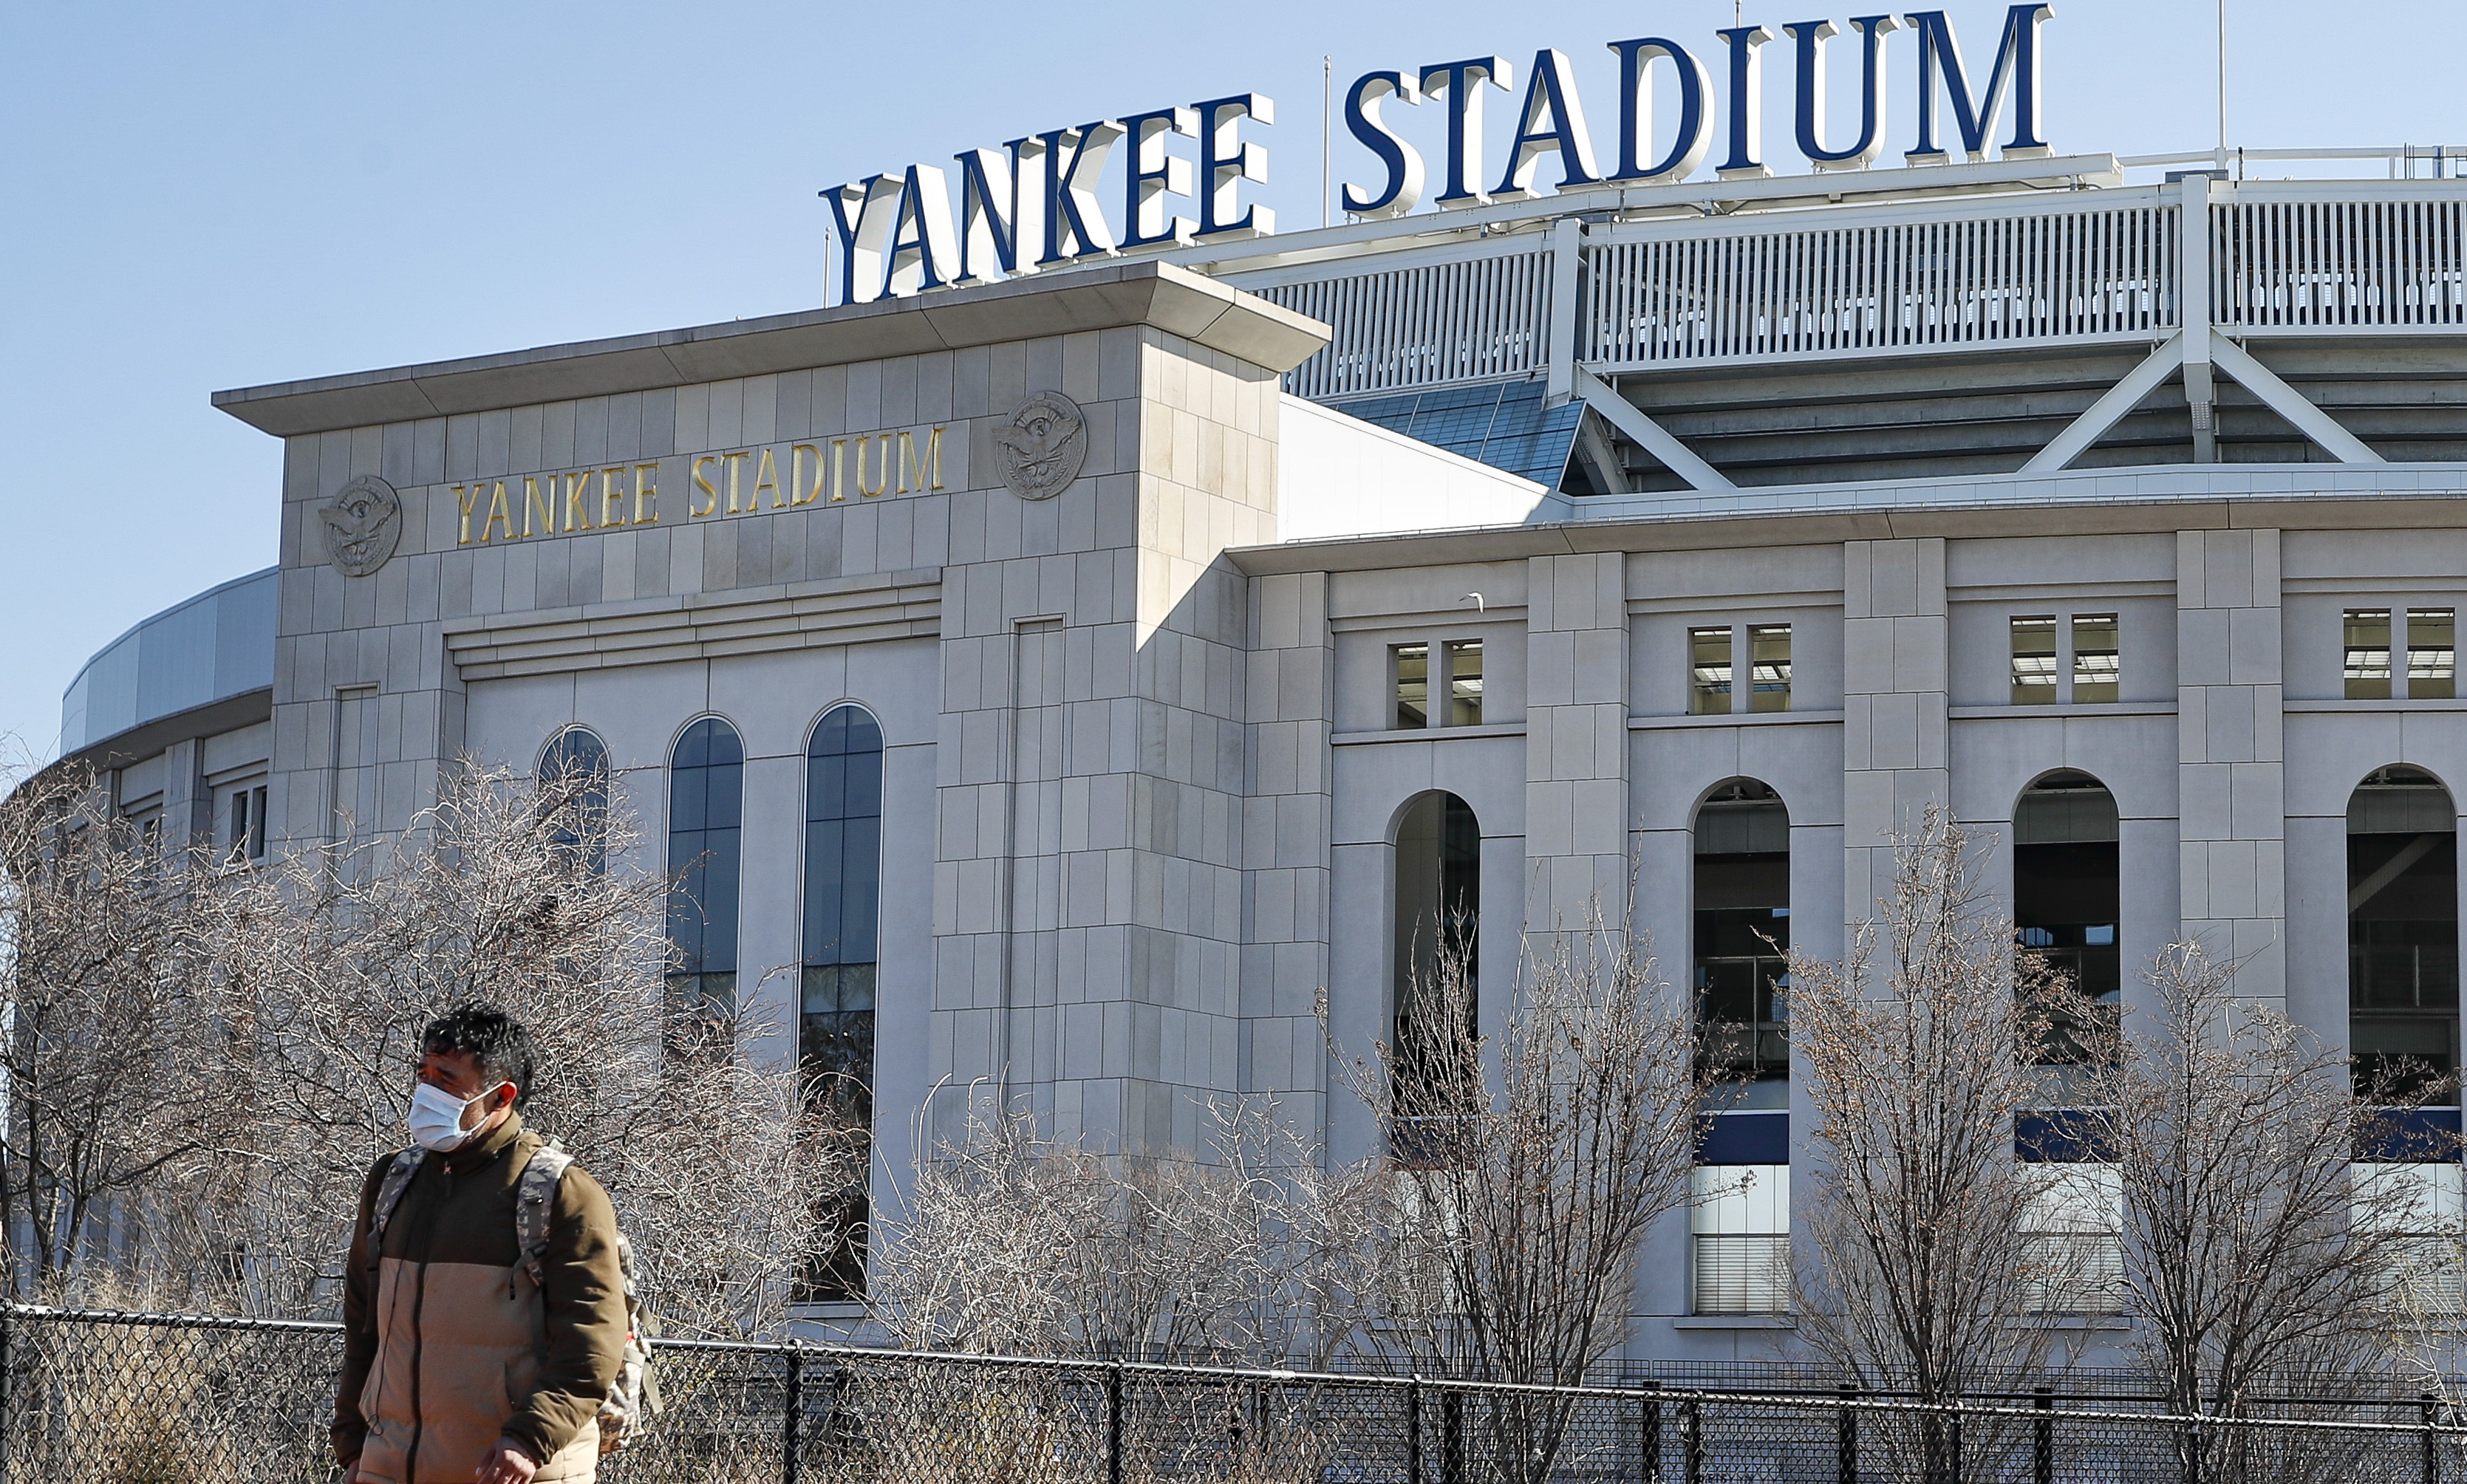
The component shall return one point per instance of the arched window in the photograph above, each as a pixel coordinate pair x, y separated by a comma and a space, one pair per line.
1436, 936
836, 986
1742, 933
843, 894
2066, 899
577, 760
2402, 930
706, 810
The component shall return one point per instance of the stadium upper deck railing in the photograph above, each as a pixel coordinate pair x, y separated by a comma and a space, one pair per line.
2053, 268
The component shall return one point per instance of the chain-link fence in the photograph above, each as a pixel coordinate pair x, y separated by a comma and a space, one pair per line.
102, 1397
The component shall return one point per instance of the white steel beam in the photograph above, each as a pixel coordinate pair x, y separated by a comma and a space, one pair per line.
1600, 455
2289, 403
1566, 238
2109, 409
1650, 435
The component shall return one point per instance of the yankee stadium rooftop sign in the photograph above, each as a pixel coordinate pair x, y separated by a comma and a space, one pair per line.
1037, 202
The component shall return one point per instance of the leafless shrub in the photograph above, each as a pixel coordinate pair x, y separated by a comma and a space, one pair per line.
1011, 1242
222, 1053
1520, 1196
2260, 1256
115, 1084
1916, 1050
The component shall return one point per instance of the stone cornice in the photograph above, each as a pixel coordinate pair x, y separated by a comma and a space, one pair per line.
1173, 299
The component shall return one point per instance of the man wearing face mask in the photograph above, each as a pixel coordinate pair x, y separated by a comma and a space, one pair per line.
458, 1364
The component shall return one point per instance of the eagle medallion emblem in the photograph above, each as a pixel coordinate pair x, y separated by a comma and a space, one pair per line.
1043, 445
363, 524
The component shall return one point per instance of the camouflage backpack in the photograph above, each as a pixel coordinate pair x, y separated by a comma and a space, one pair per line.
635, 1397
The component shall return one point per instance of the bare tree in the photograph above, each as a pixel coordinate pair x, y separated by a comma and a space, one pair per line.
116, 1084
1523, 1191
511, 890
1917, 1053
2259, 1257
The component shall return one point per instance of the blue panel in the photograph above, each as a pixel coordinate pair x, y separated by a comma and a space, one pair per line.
1743, 1139
2060, 1136
1503, 424
2410, 1136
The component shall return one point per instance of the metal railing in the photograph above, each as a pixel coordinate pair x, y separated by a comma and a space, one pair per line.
2073, 268
96, 1397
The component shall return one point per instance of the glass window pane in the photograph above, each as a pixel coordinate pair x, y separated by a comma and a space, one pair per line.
1708, 674
2097, 660
2369, 654
843, 839
703, 837
1412, 666
1464, 683
2431, 654
2034, 660
1769, 667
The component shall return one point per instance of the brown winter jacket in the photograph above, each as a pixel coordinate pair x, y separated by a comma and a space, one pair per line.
453, 1350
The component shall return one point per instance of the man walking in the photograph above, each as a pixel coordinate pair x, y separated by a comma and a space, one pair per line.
461, 1360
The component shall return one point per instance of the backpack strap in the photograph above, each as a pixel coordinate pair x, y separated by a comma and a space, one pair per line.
535, 1198
397, 1180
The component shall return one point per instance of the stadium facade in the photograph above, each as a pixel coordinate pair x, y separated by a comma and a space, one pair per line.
1063, 680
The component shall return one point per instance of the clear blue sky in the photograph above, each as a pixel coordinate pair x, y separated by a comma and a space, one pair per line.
216, 196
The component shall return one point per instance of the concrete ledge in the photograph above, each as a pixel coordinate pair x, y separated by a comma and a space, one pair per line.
1173, 299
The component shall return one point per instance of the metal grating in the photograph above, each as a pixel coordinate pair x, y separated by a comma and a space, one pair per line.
1881, 287
1472, 319
2296, 265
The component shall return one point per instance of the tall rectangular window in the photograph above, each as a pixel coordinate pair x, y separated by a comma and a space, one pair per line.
2420, 1204
2369, 654
1411, 663
1709, 672
1464, 682
1769, 667
2431, 654
2034, 660
246, 841
2076, 1221
1740, 1230
836, 1032
2097, 661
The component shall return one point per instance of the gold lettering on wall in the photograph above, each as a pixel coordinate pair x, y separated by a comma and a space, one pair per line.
703, 483
545, 506
882, 467
902, 460
908, 461
766, 475
497, 512
800, 492
578, 502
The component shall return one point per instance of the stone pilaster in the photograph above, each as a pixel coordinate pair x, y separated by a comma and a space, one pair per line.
1089, 892
2231, 754
1288, 824
1576, 741
1894, 692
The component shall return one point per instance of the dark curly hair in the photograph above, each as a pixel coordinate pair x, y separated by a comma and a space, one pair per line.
489, 1037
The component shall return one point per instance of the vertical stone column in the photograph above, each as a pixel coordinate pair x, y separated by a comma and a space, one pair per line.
1576, 740
1088, 886
1287, 823
1894, 691
2232, 786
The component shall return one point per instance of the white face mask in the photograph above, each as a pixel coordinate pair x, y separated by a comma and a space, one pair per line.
436, 1117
